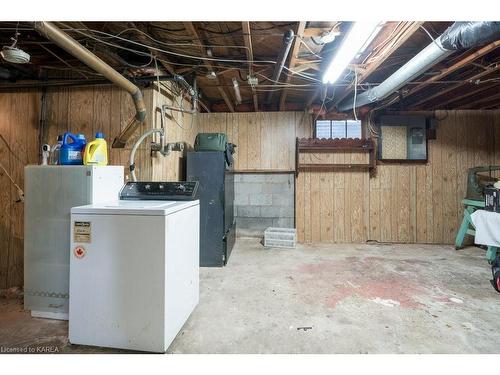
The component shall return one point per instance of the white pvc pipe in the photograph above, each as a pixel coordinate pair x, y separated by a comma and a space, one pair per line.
136, 146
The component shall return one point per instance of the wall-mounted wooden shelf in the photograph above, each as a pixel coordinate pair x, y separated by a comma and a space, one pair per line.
262, 171
345, 145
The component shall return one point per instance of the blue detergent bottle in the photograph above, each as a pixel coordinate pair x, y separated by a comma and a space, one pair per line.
72, 147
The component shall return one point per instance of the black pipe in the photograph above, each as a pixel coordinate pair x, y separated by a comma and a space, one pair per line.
287, 44
465, 35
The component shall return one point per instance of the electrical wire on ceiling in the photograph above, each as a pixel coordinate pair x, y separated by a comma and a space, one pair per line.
175, 96
117, 36
151, 58
203, 58
231, 32
275, 26
142, 53
196, 67
308, 48
382, 44
316, 42
323, 93
311, 89
432, 38
168, 44
208, 38
371, 126
166, 29
300, 74
355, 93
277, 83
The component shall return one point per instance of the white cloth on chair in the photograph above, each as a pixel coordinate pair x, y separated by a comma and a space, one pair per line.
487, 226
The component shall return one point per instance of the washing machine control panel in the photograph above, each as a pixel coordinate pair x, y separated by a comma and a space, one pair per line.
154, 190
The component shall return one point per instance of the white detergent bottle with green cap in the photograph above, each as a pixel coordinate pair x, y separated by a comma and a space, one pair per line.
96, 152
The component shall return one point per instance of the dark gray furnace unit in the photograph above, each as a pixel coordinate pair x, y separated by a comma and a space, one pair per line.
216, 195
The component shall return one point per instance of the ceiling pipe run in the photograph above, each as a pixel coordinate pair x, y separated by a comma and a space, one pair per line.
287, 44
70, 45
459, 36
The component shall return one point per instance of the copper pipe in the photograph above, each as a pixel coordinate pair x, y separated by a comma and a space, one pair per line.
70, 45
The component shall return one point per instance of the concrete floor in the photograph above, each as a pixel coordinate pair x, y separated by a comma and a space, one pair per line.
322, 299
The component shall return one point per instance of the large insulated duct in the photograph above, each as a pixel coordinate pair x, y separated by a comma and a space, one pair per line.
70, 45
460, 35
287, 44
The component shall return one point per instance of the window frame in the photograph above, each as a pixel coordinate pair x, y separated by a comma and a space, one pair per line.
345, 120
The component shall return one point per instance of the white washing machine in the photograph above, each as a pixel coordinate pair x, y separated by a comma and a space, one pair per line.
134, 268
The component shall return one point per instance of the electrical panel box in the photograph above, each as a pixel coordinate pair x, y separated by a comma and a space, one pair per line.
402, 138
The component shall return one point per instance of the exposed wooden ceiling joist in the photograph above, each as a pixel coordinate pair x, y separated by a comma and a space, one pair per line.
453, 68
464, 80
191, 29
104, 53
445, 103
487, 99
468, 81
145, 40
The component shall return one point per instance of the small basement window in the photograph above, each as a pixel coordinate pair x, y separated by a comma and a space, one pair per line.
330, 129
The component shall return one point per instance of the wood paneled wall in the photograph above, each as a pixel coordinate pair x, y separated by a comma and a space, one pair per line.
79, 110
404, 203
19, 123
178, 128
108, 109
92, 109
265, 140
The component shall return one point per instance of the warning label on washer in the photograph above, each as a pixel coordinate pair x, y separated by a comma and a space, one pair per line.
81, 231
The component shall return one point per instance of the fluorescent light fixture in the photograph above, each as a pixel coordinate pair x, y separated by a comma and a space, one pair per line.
370, 38
359, 37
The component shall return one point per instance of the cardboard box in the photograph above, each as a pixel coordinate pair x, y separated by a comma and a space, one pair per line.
492, 199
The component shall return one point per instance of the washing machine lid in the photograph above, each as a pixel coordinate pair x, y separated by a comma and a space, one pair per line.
144, 208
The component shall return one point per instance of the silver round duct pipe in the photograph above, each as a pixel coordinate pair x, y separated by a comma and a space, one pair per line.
460, 35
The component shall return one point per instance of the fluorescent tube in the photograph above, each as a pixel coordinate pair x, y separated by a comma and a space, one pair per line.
357, 38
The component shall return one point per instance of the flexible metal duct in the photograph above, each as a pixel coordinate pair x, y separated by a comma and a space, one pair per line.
460, 35
70, 45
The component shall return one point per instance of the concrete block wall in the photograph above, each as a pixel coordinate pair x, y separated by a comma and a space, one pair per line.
263, 200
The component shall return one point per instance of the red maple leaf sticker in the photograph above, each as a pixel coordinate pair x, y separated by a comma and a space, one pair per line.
79, 252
